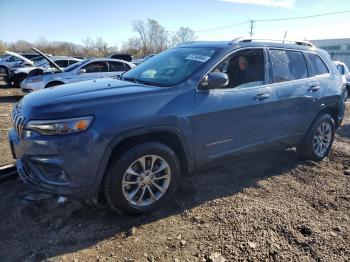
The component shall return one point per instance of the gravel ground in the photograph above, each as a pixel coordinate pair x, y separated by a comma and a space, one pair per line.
266, 207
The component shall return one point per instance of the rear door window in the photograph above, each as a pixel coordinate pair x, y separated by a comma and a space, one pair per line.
287, 65
71, 62
116, 66
317, 64
96, 67
61, 63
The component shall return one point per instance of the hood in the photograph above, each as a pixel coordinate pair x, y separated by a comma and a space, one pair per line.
23, 69
81, 95
52, 63
20, 57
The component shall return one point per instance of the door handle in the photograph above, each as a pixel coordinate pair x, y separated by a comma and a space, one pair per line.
261, 97
314, 88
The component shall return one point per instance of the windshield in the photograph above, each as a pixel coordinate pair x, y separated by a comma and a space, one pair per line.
74, 66
170, 67
41, 62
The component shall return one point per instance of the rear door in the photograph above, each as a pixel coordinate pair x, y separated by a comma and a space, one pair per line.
116, 68
295, 91
63, 63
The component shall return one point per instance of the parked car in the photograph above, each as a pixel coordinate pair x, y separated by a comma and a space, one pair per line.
125, 57
344, 71
18, 74
12, 59
83, 70
30, 56
140, 60
132, 139
4, 56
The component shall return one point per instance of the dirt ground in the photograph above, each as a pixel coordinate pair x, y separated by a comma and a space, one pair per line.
270, 206
8, 97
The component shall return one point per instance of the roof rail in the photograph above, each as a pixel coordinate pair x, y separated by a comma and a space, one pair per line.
248, 39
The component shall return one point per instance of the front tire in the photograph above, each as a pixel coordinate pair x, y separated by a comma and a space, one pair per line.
4, 72
18, 80
142, 179
319, 139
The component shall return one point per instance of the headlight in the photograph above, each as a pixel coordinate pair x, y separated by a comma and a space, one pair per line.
34, 80
59, 127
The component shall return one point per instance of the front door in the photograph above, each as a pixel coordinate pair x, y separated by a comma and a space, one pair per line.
234, 119
93, 70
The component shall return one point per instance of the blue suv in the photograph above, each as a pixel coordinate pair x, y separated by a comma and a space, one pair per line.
130, 139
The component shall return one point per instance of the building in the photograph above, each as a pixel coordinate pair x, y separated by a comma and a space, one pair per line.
339, 49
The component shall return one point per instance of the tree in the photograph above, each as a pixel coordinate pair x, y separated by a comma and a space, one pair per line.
101, 47
88, 46
132, 46
20, 46
184, 34
152, 36
3, 47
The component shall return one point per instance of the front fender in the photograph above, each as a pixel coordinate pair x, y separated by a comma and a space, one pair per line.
137, 132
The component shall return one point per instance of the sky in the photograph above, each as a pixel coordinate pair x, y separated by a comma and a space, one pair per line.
73, 20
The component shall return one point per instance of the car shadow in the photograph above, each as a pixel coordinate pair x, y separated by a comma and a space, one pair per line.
37, 224
344, 131
10, 99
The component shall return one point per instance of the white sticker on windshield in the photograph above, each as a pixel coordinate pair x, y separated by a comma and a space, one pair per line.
200, 58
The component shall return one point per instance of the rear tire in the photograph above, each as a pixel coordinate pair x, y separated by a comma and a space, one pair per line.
4, 72
319, 139
142, 179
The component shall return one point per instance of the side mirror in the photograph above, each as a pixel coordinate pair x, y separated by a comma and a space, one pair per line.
81, 71
214, 80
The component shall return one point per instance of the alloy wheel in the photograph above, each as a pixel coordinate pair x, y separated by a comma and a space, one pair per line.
146, 180
322, 139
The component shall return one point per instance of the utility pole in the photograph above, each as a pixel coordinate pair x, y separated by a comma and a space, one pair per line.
285, 35
251, 27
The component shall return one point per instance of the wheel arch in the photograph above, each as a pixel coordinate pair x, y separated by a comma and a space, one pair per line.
332, 110
54, 81
168, 135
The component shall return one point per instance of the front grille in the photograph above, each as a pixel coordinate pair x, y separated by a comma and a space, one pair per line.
18, 120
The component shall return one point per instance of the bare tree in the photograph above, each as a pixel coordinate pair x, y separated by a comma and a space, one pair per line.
152, 36
20, 46
3, 47
101, 47
184, 34
133, 47
113, 49
88, 46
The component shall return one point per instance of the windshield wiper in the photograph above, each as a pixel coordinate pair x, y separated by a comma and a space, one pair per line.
132, 79
143, 82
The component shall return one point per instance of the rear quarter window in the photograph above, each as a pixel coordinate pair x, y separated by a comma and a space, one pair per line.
317, 64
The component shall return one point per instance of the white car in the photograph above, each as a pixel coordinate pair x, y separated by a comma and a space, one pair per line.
18, 74
10, 60
344, 71
84, 70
